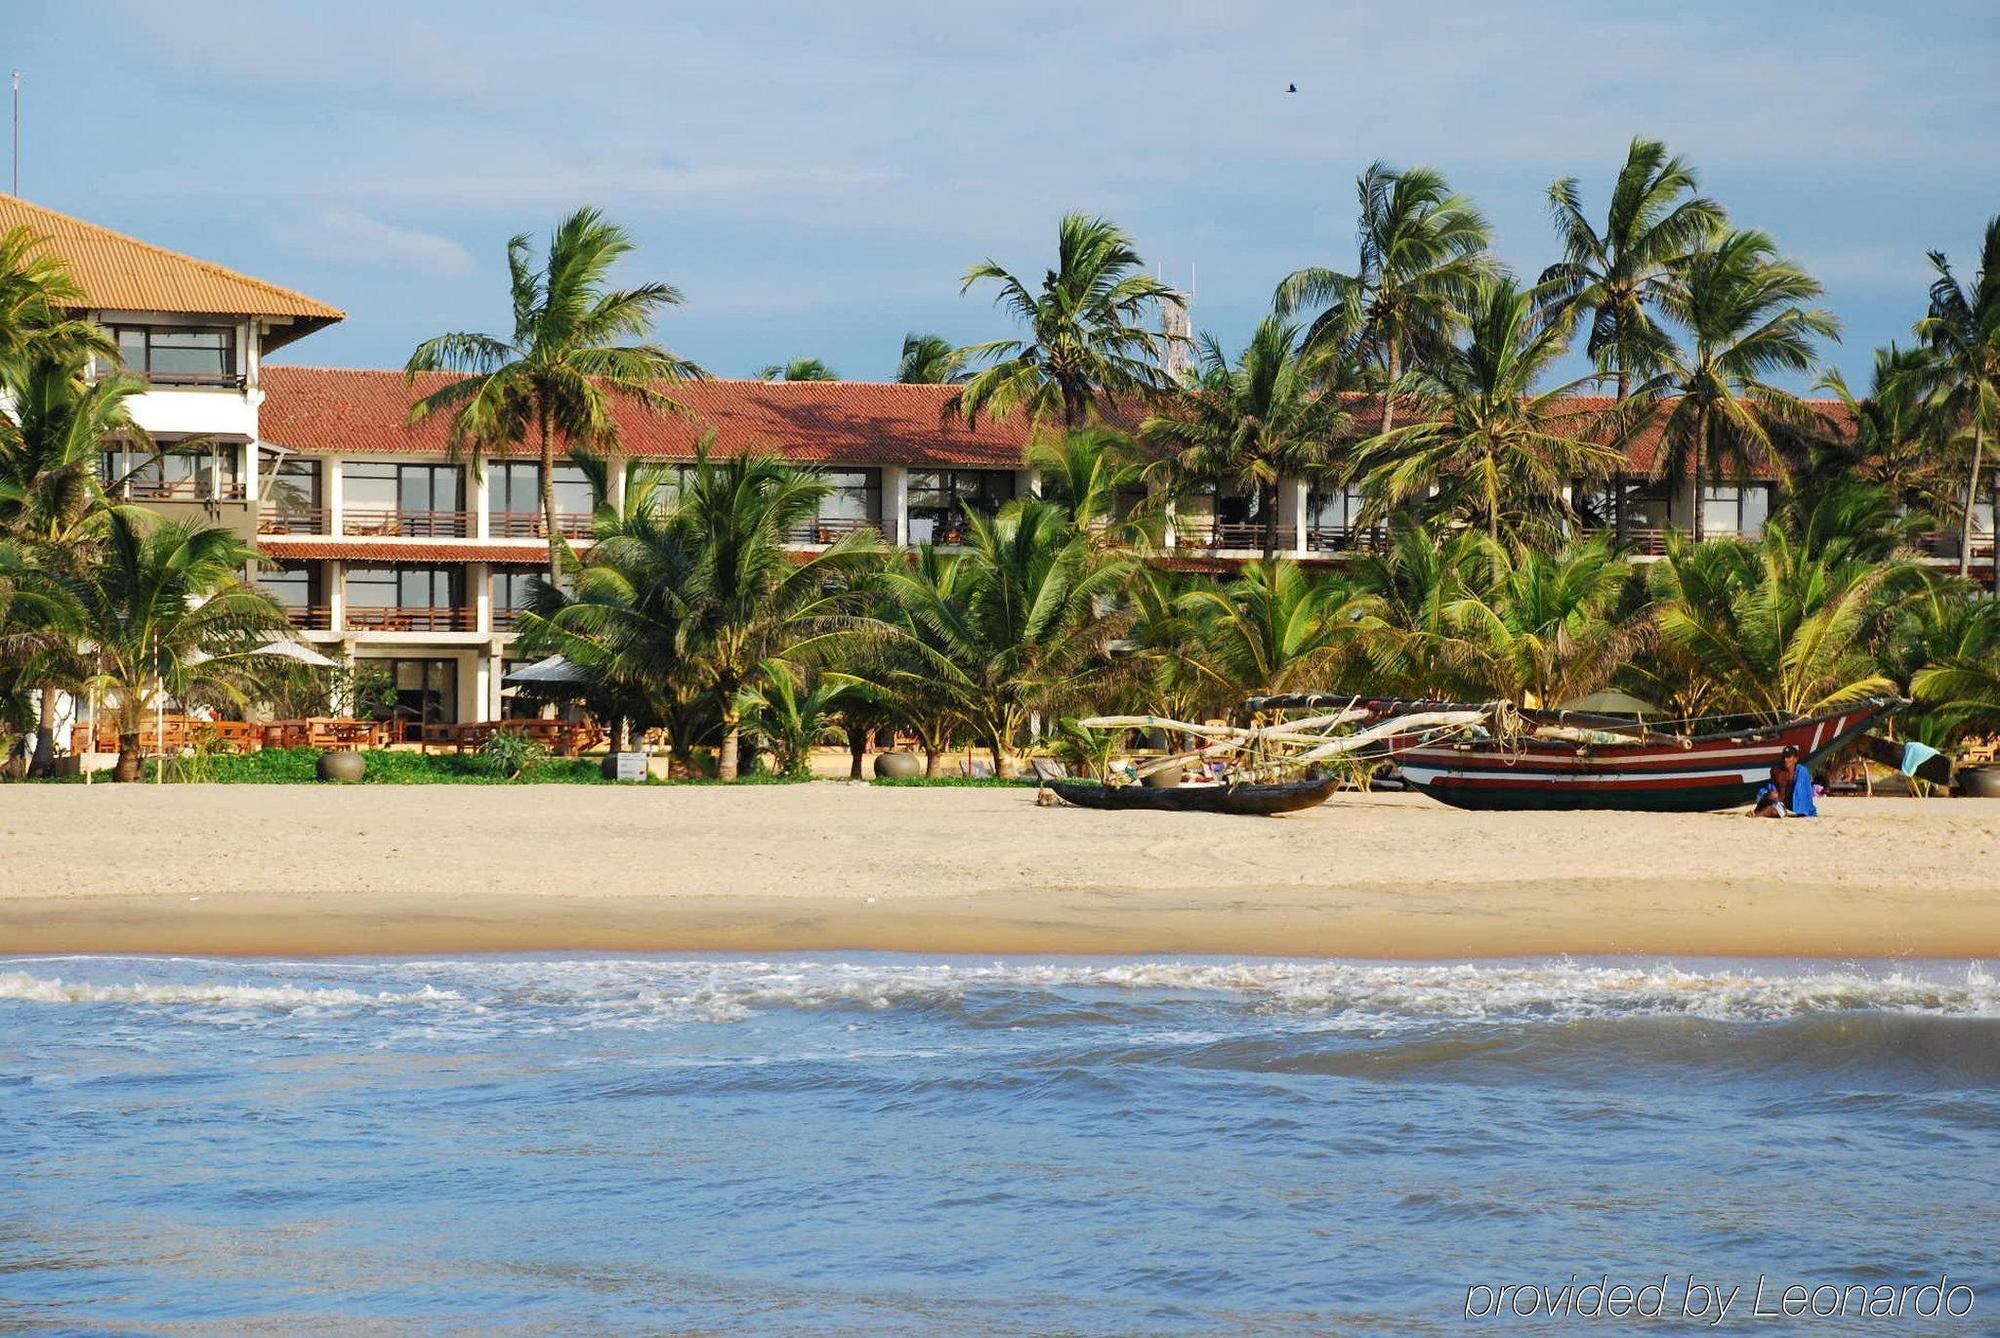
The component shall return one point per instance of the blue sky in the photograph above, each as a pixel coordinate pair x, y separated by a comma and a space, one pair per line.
816, 178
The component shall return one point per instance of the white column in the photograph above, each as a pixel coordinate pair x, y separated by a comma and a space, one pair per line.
1292, 514
896, 503
478, 575
336, 596
1027, 483
476, 495
617, 471
495, 669
331, 487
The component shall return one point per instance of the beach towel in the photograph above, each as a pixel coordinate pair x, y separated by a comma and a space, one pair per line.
1804, 803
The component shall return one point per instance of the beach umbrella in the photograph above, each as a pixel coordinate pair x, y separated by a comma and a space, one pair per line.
286, 650
554, 672
1609, 702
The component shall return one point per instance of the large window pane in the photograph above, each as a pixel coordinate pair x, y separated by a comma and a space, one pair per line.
368, 485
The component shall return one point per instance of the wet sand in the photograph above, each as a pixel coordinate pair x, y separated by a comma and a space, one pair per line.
443, 869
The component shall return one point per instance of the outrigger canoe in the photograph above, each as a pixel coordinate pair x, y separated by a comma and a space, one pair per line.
1256, 800
1607, 762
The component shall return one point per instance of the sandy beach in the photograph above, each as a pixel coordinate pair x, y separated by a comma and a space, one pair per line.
295, 870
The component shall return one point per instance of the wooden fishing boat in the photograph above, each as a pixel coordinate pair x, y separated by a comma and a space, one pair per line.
1247, 799
1617, 765
1566, 760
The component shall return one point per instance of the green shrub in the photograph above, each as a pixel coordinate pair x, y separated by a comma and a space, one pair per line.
510, 753
954, 782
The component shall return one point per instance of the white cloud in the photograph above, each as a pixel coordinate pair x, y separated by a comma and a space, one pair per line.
349, 237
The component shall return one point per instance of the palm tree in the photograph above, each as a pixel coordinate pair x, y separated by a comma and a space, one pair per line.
1778, 628
1254, 421
1495, 449
1416, 584
1275, 628
1961, 379
748, 600
930, 360
619, 617
1423, 249
1742, 307
1086, 336
798, 369
1620, 277
37, 296
1895, 443
556, 377
1551, 627
51, 495
166, 613
794, 709
1021, 625
1089, 472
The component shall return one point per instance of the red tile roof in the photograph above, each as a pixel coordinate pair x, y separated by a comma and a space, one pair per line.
327, 409
289, 547
117, 272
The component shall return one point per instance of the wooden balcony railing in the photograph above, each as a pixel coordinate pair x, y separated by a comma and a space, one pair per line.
1347, 538
828, 529
183, 490
209, 380
529, 525
293, 520
366, 619
1945, 545
506, 620
409, 524
311, 618
1223, 534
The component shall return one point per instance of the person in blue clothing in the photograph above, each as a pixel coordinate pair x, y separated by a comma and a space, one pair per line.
1789, 793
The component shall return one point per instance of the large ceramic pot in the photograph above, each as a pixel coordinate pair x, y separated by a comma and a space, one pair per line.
1980, 782
898, 766
342, 765
1167, 777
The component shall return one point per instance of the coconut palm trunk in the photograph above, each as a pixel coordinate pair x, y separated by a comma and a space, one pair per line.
548, 490
43, 762
131, 757
1971, 502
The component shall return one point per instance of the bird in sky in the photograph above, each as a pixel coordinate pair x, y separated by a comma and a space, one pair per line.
1291, 88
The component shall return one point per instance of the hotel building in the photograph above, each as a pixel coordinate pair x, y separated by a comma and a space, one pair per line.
387, 548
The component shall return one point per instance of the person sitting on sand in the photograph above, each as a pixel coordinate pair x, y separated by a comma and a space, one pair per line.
1789, 792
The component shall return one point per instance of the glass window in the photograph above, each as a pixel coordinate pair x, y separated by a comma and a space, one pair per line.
190, 354
430, 488
1334, 509
421, 692
294, 487
368, 485
514, 587
515, 488
294, 585
429, 587
372, 587
195, 472
856, 494
941, 499
1733, 510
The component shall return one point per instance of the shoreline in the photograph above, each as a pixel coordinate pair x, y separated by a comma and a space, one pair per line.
397, 871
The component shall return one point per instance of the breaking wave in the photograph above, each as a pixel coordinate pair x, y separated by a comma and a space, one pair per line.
680, 990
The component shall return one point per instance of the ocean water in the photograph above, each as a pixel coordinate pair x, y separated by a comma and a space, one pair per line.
885, 1143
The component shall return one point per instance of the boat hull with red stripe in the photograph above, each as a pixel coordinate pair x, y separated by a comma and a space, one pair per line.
1660, 774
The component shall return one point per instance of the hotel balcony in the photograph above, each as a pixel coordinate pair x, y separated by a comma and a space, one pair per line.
292, 520
363, 618
408, 524
530, 525
1347, 538
1228, 536
830, 529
